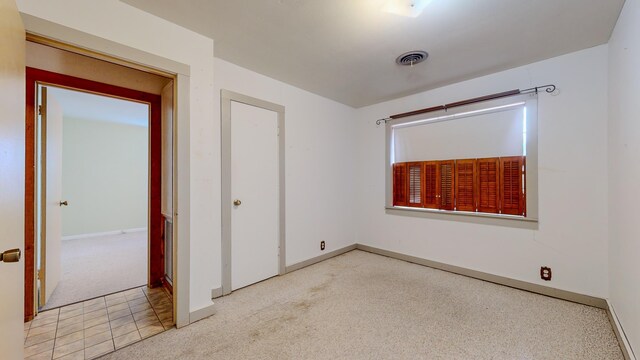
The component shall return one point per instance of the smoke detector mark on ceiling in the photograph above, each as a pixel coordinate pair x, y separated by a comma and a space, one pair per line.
412, 57
409, 8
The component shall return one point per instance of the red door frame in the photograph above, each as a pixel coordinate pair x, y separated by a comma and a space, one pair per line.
156, 245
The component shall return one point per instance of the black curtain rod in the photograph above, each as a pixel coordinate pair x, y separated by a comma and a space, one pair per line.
547, 88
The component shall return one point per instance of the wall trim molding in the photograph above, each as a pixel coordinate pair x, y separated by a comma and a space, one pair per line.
623, 341
106, 233
317, 259
216, 293
496, 279
202, 313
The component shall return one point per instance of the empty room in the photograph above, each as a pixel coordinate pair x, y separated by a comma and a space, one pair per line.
339, 179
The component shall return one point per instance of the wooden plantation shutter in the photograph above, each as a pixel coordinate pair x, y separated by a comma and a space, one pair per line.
512, 185
430, 184
488, 183
415, 184
400, 184
465, 185
445, 184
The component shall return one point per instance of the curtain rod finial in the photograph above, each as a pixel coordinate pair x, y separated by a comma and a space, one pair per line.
380, 121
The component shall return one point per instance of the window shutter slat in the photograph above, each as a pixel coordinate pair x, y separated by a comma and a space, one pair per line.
400, 184
430, 184
445, 184
488, 182
465, 185
512, 185
415, 184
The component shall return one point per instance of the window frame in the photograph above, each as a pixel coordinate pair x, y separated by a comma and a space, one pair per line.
529, 102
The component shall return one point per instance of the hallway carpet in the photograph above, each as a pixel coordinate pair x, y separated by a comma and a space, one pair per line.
97, 266
365, 306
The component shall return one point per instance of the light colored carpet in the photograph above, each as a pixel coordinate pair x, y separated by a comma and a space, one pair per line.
98, 266
365, 306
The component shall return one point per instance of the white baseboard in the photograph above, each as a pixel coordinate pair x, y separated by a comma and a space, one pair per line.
216, 293
627, 351
106, 233
500, 280
302, 264
202, 313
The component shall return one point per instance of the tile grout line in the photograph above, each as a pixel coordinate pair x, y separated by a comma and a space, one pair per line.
55, 333
154, 311
113, 341
131, 310
29, 331
83, 328
170, 298
106, 308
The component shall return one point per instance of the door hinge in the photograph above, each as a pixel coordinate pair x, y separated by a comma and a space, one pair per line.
39, 109
39, 274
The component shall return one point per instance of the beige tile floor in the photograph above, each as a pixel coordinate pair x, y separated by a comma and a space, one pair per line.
99, 326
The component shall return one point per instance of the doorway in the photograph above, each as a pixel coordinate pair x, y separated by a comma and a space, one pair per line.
91, 195
101, 324
154, 220
253, 199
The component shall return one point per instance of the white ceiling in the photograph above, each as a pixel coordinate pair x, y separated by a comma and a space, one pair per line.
345, 49
85, 106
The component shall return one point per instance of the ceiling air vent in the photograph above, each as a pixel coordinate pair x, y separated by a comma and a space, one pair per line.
412, 57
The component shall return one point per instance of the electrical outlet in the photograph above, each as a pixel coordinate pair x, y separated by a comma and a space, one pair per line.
545, 273
322, 245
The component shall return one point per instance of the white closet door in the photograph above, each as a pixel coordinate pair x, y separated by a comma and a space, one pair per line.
254, 182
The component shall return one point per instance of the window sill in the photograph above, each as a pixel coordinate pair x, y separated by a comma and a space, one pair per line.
465, 216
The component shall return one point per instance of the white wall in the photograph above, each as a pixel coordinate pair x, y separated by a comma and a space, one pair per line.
124, 24
624, 170
572, 233
104, 176
319, 161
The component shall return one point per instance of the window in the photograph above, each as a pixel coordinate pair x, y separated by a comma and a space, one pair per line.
480, 159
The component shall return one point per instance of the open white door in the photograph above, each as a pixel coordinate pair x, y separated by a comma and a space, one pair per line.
12, 145
49, 194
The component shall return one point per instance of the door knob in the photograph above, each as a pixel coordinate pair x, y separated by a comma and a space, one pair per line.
237, 202
64, 203
10, 256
